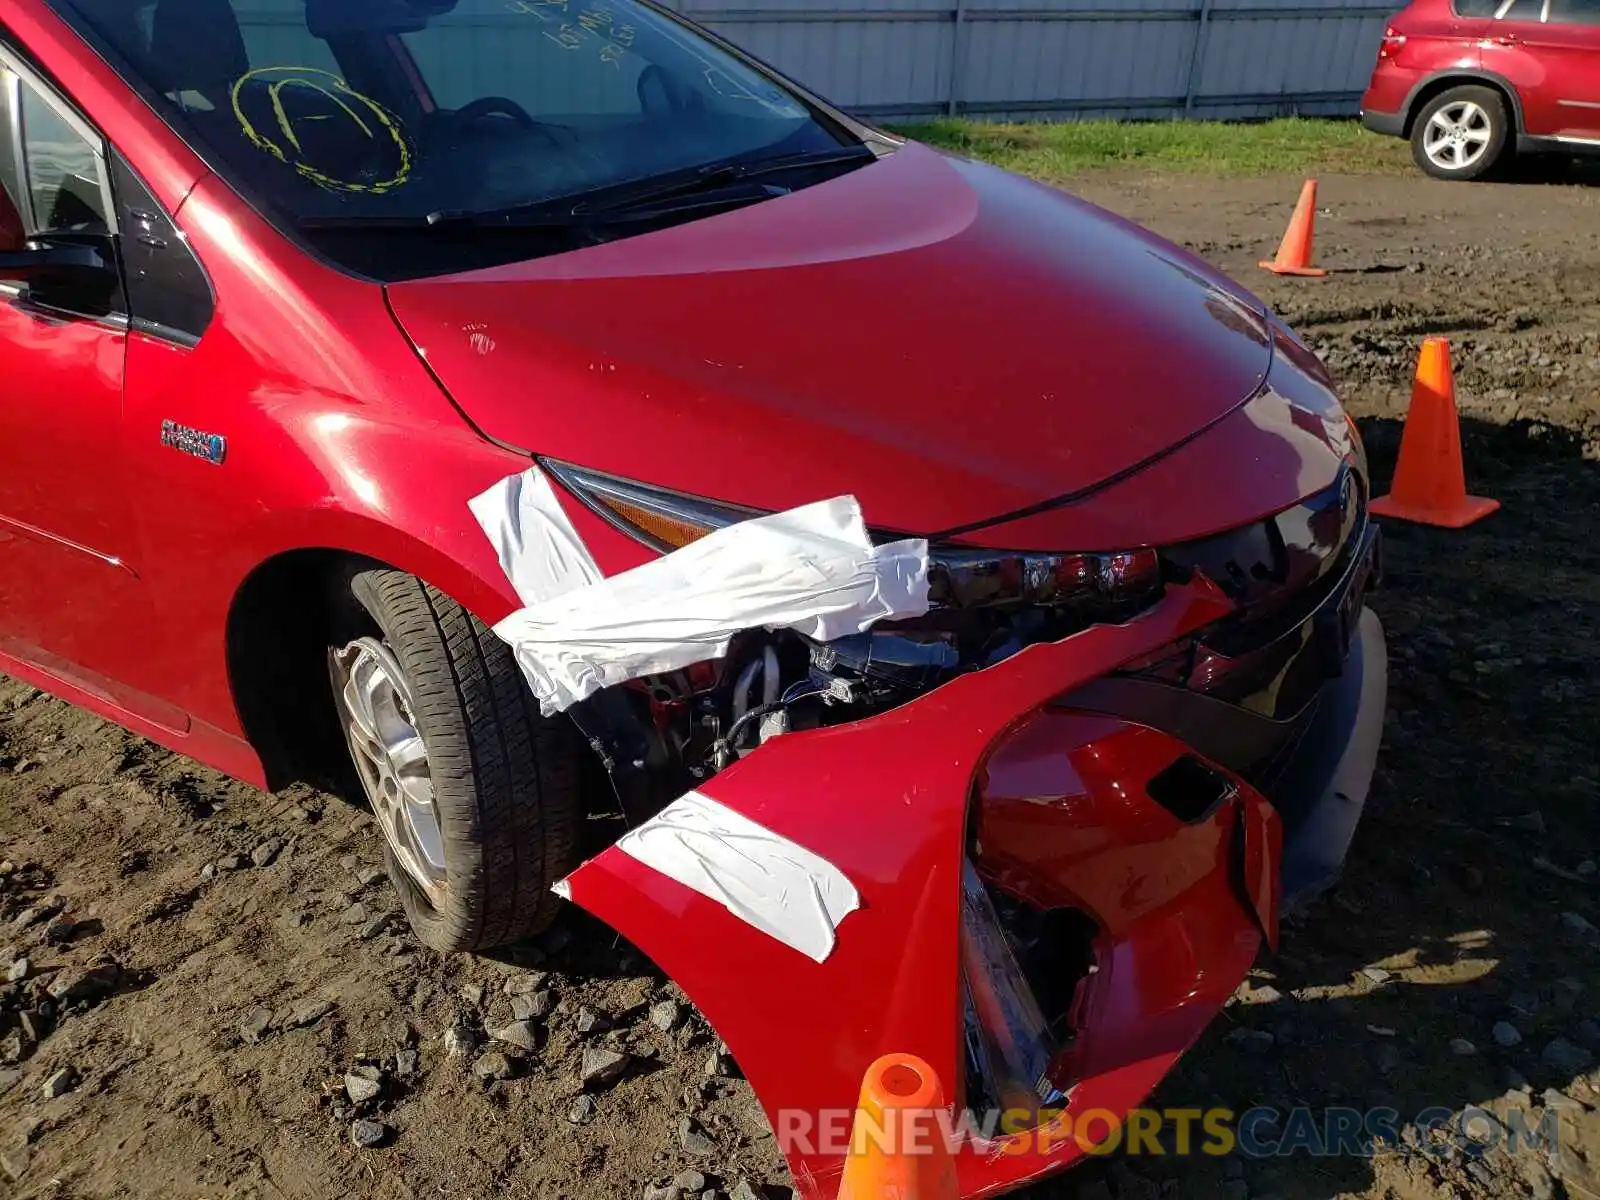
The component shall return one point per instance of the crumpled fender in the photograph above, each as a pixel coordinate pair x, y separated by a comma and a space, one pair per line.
885, 800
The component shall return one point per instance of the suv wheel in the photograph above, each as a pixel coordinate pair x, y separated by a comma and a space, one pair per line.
477, 794
1461, 134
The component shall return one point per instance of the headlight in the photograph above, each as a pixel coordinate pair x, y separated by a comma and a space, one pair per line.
661, 519
957, 577
981, 578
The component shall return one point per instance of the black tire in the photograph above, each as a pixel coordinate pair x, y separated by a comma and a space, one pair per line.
506, 779
1496, 153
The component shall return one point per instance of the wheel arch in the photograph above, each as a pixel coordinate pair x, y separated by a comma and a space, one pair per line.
284, 613
277, 632
1435, 85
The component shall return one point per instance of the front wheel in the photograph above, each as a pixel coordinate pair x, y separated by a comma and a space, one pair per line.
477, 794
1464, 133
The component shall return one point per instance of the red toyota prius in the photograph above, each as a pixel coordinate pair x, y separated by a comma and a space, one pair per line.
538, 417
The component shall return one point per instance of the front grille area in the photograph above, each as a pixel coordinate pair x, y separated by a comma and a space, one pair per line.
1280, 570
1283, 573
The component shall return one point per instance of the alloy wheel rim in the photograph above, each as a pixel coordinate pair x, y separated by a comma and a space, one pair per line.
1457, 135
376, 709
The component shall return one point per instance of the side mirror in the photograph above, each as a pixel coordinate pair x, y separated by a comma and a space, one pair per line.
66, 274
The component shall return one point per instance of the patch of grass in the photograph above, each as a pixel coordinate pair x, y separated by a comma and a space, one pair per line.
1058, 150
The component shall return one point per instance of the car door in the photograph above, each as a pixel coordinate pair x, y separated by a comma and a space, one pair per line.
1569, 42
71, 604
1547, 53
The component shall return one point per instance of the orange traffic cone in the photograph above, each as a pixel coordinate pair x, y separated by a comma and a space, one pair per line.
898, 1149
1430, 485
1294, 252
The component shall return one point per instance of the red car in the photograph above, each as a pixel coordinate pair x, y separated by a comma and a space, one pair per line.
956, 592
1474, 82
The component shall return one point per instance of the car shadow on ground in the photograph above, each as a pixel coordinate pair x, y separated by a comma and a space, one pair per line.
1554, 170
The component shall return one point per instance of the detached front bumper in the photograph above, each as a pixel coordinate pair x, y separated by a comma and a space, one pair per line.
1053, 806
1321, 795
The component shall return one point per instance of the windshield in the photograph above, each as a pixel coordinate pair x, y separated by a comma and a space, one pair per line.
355, 118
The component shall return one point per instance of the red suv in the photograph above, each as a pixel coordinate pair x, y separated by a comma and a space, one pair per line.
921, 611
1475, 81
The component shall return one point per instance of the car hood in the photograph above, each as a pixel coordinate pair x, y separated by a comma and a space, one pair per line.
946, 341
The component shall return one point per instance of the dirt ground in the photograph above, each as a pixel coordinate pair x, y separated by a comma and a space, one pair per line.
222, 959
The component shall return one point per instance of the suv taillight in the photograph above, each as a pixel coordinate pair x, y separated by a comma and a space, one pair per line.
1392, 43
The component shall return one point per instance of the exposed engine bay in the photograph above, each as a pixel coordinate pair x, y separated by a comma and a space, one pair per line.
1296, 580
659, 736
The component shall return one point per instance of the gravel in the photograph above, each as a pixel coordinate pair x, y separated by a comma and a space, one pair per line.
1524, 1004
364, 1086
524, 1035
1506, 1034
493, 1066
72, 986
59, 1082
460, 1041
374, 927
692, 1138
602, 1067
1567, 1057
309, 1014
1576, 923
664, 1015
267, 852
368, 1134
255, 1025
531, 1006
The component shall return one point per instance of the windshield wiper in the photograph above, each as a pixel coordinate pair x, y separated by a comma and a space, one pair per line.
720, 175
636, 210
719, 185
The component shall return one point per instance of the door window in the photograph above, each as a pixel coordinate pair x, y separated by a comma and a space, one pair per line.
1574, 12
58, 180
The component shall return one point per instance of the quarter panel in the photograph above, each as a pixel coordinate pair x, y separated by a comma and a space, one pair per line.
336, 437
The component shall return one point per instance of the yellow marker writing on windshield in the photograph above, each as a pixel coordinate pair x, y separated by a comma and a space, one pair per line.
374, 121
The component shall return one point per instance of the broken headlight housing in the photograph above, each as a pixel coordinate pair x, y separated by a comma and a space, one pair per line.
985, 605
958, 577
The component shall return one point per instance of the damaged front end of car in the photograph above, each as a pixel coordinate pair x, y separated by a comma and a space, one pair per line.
1027, 816
1024, 916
